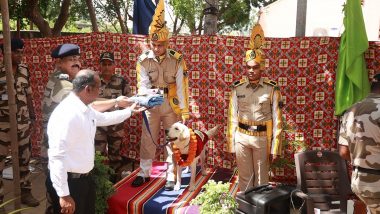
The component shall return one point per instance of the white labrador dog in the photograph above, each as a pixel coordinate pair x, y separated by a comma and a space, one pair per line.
179, 134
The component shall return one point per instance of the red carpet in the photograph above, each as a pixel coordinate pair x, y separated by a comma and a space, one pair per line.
152, 198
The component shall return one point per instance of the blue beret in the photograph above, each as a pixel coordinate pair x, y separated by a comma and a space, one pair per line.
65, 50
16, 43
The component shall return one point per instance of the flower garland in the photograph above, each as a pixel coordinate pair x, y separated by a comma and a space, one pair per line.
192, 151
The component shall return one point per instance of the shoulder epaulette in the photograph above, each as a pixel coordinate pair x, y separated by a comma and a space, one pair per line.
143, 56
63, 76
175, 54
23, 65
270, 82
239, 82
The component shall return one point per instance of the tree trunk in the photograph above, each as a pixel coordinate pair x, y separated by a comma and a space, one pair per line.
211, 17
62, 17
200, 26
91, 10
176, 29
301, 18
34, 15
124, 29
11, 102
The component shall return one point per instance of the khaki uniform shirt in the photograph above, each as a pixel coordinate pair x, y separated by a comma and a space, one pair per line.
23, 90
156, 72
254, 105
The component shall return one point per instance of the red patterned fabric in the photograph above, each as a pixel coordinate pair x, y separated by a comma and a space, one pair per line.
304, 68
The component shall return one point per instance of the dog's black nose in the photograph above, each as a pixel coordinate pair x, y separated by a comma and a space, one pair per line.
166, 131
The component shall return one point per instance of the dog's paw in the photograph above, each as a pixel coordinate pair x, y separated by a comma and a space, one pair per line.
177, 187
191, 188
186, 170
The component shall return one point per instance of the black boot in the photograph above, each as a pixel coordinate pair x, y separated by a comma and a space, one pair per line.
139, 181
28, 199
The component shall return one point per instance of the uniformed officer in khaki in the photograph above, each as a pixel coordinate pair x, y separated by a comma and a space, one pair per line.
25, 119
162, 69
108, 139
359, 143
67, 65
254, 120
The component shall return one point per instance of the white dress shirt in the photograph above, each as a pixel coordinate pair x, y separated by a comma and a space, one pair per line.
71, 130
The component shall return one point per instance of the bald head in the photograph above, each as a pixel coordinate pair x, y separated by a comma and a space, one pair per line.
84, 78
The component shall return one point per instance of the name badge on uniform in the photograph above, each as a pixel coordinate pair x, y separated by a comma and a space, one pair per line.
4, 97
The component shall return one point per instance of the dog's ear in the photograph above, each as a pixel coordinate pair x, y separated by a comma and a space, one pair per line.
185, 133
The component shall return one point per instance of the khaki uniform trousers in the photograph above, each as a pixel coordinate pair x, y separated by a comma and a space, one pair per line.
252, 160
148, 148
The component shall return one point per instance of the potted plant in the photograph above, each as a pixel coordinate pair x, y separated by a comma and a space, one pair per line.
215, 199
104, 187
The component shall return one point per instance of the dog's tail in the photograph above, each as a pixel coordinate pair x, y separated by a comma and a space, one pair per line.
212, 132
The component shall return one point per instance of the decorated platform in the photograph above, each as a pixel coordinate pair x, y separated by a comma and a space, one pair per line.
152, 198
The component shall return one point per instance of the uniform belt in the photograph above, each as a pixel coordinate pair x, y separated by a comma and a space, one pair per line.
253, 123
74, 175
258, 128
369, 171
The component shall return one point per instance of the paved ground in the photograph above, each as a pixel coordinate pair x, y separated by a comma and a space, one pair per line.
38, 190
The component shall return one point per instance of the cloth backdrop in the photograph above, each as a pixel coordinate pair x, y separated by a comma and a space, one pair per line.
304, 68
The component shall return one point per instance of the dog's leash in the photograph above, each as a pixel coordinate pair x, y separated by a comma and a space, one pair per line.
150, 133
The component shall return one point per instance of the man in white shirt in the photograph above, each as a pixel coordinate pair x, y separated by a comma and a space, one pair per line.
71, 131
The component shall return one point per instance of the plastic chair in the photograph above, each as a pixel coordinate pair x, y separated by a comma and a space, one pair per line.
322, 181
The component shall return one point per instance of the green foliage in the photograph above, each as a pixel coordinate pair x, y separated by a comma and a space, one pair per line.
190, 11
215, 199
233, 14
262, 3
106, 13
104, 187
289, 146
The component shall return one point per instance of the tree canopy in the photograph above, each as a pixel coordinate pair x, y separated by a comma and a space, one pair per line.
51, 17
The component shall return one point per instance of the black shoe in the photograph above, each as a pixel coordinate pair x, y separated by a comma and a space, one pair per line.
28, 199
169, 185
139, 181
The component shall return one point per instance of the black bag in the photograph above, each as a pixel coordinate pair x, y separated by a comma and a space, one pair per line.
265, 199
